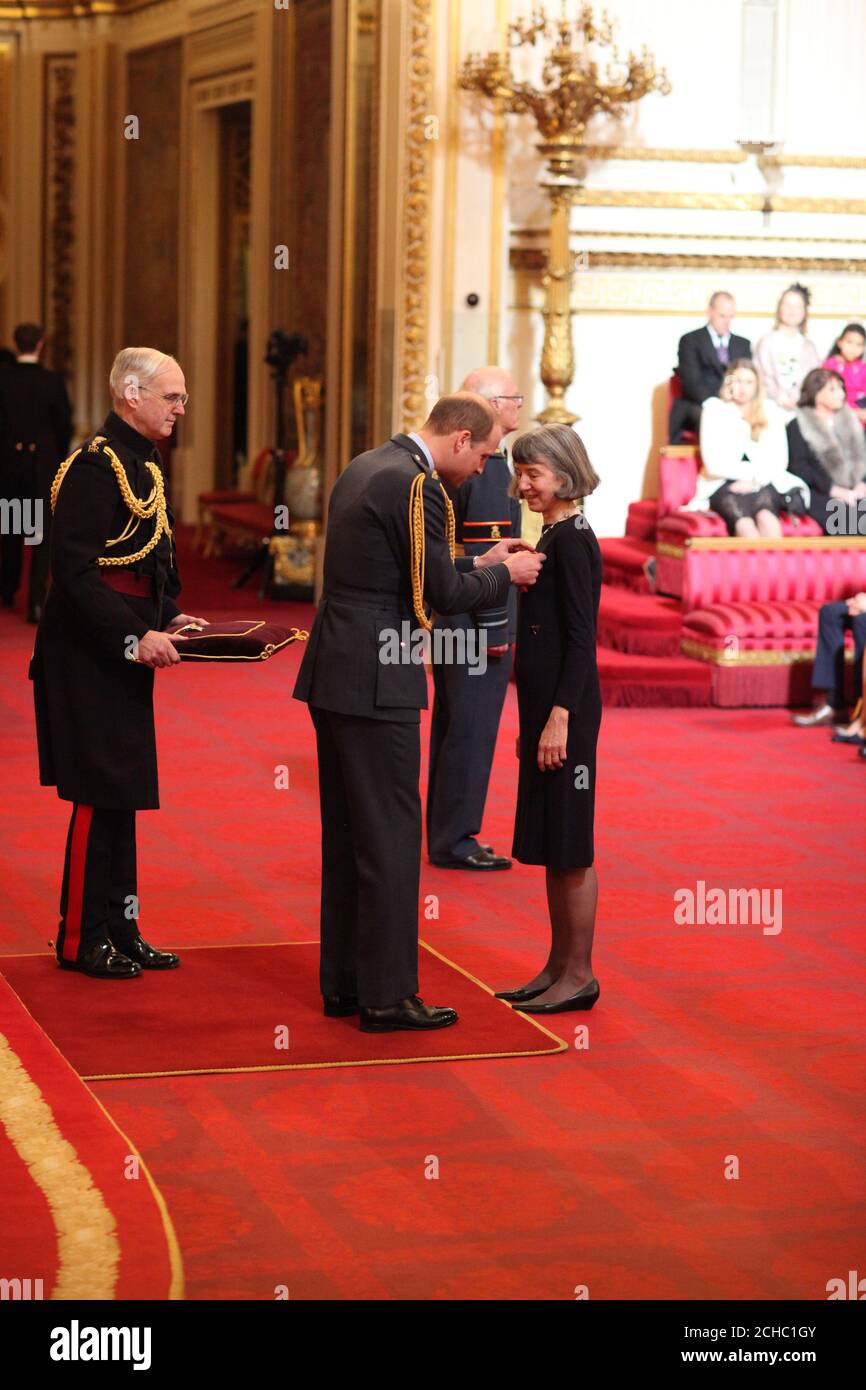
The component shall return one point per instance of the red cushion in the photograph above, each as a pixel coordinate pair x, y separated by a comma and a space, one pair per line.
788, 626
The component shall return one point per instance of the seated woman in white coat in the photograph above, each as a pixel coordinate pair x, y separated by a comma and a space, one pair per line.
744, 449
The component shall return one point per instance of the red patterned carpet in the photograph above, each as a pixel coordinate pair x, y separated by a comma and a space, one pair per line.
602, 1166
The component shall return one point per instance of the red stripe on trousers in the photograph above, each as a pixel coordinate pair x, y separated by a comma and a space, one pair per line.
77, 867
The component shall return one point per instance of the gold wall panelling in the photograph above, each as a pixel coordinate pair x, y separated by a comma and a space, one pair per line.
206, 49
418, 211
534, 260
59, 209
714, 202
678, 293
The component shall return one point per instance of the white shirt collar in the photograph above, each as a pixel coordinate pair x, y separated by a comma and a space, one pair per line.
416, 438
717, 337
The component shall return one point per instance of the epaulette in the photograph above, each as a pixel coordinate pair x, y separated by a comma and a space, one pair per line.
152, 508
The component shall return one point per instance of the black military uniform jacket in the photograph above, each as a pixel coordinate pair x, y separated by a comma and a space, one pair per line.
94, 706
367, 588
485, 514
35, 428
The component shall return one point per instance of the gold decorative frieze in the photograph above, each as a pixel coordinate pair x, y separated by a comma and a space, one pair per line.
577, 234
236, 87
534, 260
416, 233
735, 156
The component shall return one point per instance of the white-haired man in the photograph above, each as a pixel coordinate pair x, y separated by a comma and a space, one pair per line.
104, 630
468, 703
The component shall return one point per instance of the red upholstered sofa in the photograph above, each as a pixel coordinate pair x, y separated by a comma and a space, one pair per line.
750, 607
678, 529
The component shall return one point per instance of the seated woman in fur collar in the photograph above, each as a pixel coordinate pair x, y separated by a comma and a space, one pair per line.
826, 446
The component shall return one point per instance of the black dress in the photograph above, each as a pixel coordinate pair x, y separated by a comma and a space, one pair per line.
556, 665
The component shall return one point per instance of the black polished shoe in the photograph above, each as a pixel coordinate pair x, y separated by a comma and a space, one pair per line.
520, 996
482, 860
339, 1005
410, 1014
102, 962
858, 739
584, 999
148, 957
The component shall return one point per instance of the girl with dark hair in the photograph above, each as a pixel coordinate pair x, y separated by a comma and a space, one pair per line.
785, 354
847, 359
826, 447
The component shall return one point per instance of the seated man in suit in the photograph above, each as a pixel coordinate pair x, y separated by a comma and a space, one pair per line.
828, 672
704, 356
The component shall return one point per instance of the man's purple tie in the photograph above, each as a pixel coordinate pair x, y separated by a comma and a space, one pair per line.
722, 351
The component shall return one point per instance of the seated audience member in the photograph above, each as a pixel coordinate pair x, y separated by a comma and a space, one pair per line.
744, 452
828, 672
826, 447
847, 359
704, 356
785, 354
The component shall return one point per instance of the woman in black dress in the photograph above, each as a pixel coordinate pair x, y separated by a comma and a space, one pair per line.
560, 711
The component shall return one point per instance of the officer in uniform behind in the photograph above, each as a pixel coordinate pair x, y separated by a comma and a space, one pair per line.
468, 703
35, 430
103, 633
389, 547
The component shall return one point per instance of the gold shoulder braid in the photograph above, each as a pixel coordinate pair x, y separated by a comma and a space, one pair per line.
416, 542
152, 507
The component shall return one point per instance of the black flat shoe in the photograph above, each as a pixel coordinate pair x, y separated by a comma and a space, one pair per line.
102, 962
483, 860
339, 1005
410, 1014
861, 752
149, 957
858, 739
584, 999
520, 996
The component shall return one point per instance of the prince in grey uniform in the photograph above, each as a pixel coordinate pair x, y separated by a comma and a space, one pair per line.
389, 548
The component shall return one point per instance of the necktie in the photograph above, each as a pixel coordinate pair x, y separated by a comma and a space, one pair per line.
723, 355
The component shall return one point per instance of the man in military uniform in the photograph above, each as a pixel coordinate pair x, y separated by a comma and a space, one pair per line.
468, 701
35, 429
389, 548
103, 632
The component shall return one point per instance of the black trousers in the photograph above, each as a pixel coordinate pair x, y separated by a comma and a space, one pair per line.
828, 672
98, 899
463, 729
371, 856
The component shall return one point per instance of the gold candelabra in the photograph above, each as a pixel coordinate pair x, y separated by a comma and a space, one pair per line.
573, 90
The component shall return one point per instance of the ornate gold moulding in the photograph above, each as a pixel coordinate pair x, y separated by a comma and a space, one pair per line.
534, 260
737, 156
71, 9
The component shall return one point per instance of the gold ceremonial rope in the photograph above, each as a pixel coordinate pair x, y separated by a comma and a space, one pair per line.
416, 542
152, 506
